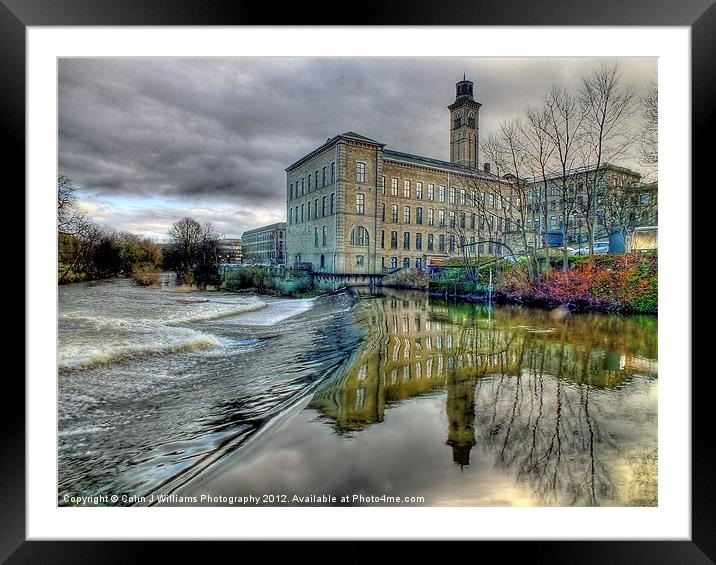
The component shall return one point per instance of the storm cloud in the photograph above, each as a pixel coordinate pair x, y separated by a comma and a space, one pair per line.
149, 140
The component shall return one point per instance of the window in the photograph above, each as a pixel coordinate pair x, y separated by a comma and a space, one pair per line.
452, 219
296, 214
462, 220
302, 187
473, 198
315, 208
471, 120
359, 236
291, 197
324, 206
458, 120
441, 217
333, 173
473, 221
491, 200
406, 240
406, 214
382, 185
462, 196
644, 199
302, 210
419, 190
325, 234
554, 191
382, 239
394, 240
552, 222
315, 184
430, 217
561, 222
452, 195
360, 203
394, 213
431, 241
360, 172
394, 187
382, 211
333, 202
315, 237
406, 265
309, 182
418, 265
419, 215
419, 241
359, 260
441, 193
323, 261
431, 192
393, 262
324, 176
308, 212
290, 216
452, 243
441, 242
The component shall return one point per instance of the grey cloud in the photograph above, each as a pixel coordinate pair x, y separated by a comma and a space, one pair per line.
221, 131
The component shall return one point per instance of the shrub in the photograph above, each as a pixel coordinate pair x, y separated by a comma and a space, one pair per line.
408, 278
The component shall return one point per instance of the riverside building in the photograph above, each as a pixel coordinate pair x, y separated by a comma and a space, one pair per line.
354, 206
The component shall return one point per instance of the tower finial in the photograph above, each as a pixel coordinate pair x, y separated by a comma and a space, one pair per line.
464, 76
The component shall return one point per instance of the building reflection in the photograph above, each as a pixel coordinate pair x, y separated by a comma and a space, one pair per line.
516, 382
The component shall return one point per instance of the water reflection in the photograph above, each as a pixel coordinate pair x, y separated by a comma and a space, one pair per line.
567, 407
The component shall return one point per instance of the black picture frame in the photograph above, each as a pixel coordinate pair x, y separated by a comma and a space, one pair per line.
699, 15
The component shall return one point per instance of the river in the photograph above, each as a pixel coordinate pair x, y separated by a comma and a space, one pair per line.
163, 393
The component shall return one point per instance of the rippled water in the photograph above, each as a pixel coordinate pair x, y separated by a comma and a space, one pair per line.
155, 384
460, 404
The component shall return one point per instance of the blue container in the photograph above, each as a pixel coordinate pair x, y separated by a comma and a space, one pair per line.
554, 239
617, 242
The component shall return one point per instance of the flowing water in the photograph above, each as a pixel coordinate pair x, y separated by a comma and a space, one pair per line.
359, 393
155, 384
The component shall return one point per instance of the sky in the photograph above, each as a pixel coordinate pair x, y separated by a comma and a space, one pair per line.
148, 141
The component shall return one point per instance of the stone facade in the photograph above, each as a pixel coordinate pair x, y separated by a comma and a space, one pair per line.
265, 245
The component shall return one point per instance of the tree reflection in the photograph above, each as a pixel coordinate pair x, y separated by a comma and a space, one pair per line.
526, 391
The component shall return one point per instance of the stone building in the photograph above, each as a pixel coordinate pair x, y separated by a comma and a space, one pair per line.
357, 207
265, 245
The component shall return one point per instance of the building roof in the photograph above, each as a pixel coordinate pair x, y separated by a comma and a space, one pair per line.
421, 161
580, 170
276, 226
330, 141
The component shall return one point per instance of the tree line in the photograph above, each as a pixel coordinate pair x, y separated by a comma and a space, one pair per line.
90, 251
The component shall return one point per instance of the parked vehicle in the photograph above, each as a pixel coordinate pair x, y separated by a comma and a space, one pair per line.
600, 248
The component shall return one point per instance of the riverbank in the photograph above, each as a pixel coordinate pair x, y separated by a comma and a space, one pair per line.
624, 284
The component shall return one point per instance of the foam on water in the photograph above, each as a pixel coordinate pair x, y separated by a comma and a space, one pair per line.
89, 355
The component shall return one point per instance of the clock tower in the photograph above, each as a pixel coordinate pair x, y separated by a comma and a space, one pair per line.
464, 125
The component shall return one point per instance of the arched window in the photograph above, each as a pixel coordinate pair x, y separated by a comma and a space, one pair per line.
323, 261
471, 120
458, 120
359, 236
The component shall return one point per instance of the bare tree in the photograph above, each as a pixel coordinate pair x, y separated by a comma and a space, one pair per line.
539, 149
66, 203
192, 252
608, 105
563, 127
650, 125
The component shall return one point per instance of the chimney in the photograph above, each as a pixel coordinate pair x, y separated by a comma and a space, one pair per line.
486, 167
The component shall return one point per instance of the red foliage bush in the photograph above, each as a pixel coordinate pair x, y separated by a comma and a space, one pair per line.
625, 283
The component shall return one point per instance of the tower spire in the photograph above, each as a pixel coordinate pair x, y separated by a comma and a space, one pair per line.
464, 76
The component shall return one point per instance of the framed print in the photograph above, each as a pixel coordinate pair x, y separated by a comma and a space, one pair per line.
393, 282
